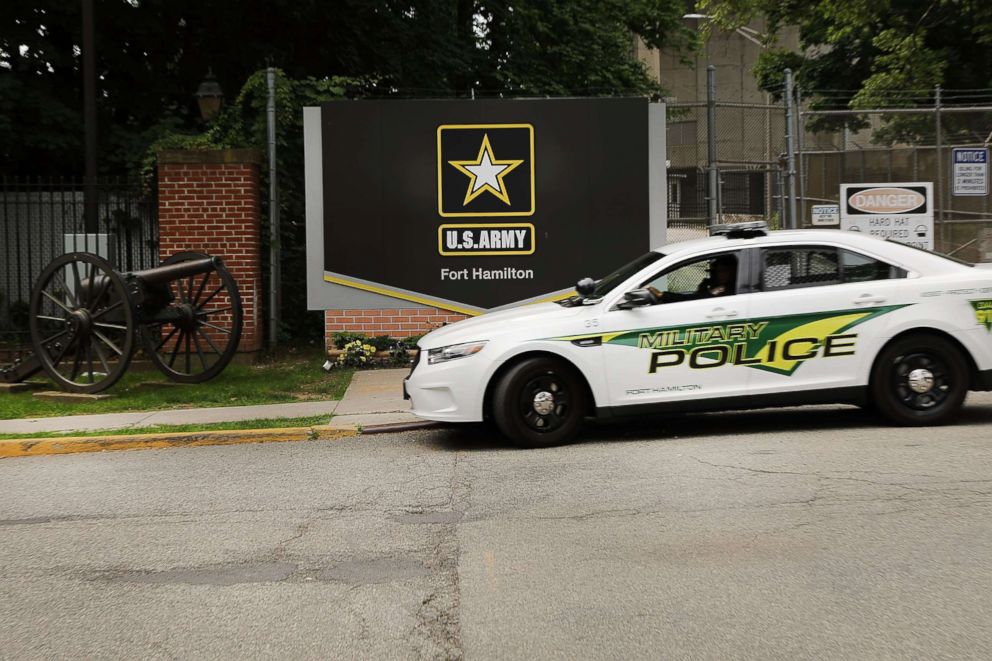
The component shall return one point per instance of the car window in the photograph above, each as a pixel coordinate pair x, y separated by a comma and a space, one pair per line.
706, 277
811, 266
856, 267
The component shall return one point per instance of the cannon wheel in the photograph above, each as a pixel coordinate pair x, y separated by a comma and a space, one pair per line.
202, 342
82, 323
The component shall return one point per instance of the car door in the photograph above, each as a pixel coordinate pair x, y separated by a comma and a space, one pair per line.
820, 316
677, 350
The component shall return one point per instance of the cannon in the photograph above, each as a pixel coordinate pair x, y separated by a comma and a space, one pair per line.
86, 321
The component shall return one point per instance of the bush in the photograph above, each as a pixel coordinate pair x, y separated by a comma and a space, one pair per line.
341, 339
357, 354
382, 342
398, 355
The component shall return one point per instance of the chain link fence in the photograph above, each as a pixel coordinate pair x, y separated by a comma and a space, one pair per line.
749, 143
898, 145
909, 138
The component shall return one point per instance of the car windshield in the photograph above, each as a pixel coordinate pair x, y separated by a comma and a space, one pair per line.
610, 282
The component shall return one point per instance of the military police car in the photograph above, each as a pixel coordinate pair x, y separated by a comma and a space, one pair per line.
743, 319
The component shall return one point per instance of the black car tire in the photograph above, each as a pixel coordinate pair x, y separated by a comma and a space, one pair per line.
540, 402
891, 389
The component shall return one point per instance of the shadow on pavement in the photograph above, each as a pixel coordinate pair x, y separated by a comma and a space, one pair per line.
486, 437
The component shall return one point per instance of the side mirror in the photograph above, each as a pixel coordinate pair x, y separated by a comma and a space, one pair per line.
636, 298
585, 287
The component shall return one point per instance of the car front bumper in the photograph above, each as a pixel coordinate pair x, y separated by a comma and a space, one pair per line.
450, 392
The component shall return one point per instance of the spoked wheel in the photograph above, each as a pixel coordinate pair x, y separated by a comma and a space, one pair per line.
920, 380
539, 403
200, 339
82, 323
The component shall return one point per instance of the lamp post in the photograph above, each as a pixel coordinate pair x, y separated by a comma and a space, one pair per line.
209, 96
90, 204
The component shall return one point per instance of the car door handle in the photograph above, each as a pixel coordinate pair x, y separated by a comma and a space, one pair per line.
868, 298
717, 313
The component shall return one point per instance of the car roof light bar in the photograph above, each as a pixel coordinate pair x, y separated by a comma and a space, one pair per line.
740, 230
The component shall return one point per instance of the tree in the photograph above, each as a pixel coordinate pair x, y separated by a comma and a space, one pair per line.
152, 54
873, 53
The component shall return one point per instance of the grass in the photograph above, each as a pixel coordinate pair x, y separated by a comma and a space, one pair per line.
262, 423
287, 378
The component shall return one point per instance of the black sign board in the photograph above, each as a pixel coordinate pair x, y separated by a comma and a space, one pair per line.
471, 205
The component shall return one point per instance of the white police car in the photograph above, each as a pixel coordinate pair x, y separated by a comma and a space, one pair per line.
743, 319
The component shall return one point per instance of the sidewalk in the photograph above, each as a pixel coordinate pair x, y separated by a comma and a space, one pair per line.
374, 397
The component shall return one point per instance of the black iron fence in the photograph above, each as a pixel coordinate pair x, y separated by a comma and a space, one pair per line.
41, 219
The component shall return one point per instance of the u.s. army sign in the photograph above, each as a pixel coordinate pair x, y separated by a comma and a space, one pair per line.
473, 205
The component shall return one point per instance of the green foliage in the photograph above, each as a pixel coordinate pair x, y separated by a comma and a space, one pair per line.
357, 354
574, 46
151, 56
879, 53
341, 339
380, 342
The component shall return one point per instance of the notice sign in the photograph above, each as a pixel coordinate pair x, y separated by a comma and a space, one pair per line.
970, 171
825, 215
902, 212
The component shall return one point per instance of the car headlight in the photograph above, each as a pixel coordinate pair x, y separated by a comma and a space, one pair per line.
453, 351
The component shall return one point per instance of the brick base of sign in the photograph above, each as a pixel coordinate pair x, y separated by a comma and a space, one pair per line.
397, 323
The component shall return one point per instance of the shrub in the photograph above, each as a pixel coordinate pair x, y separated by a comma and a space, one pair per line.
382, 342
357, 354
341, 339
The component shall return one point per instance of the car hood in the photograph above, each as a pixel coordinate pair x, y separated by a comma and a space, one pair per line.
489, 325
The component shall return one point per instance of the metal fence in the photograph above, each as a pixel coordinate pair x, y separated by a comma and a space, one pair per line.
749, 144
745, 160
741, 161
41, 219
898, 144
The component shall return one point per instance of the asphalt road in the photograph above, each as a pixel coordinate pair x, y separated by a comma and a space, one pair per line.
814, 533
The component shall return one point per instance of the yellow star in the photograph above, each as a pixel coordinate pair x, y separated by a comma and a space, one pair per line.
485, 173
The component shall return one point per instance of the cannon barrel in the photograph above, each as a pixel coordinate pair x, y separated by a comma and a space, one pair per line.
170, 272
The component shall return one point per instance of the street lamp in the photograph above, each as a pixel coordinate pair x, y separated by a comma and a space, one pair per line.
209, 96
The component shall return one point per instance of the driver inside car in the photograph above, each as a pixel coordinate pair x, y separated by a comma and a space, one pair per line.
721, 282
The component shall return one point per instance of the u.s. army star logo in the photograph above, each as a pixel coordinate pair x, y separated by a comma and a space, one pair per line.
486, 173
485, 170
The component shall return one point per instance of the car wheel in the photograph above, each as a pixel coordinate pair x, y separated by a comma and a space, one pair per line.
919, 380
539, 403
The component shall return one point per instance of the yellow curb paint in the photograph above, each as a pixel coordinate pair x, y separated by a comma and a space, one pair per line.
34, 447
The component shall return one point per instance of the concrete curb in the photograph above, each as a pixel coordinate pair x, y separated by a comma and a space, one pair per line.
34, 447
393, 427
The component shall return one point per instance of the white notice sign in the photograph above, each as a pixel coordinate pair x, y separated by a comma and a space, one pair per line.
902, 212
825, 214
970, 171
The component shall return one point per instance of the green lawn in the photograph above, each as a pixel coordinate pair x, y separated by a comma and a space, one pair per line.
288, 378
265, 423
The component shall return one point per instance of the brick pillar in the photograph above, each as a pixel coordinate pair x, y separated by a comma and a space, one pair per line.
210, 201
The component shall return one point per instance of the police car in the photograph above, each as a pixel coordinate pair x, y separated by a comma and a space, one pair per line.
746, 318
